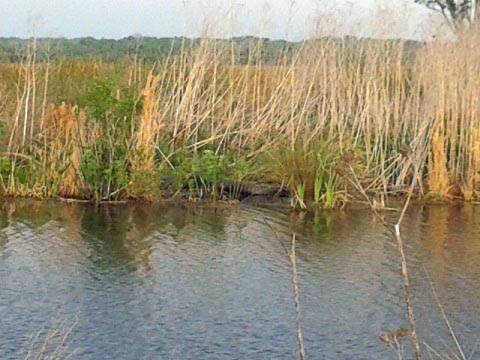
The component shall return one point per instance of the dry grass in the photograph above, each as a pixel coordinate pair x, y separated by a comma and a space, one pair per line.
64, 137
451, 71
51, 344
142, 159
438, 180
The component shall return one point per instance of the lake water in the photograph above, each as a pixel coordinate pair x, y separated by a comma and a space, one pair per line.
197, 281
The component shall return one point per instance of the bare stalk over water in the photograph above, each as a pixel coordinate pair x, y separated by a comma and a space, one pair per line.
405, 277
293, 263
445, 318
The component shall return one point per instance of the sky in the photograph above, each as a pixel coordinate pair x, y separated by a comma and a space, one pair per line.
287, 19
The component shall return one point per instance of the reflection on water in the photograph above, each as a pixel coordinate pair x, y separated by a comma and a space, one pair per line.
213, 282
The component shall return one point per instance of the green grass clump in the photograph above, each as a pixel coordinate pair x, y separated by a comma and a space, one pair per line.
307, 170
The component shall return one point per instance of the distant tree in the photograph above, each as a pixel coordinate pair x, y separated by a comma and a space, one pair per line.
459, 14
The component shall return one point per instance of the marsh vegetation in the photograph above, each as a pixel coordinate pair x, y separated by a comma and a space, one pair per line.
211, 115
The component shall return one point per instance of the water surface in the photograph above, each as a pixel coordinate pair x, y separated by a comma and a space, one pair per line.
213, 282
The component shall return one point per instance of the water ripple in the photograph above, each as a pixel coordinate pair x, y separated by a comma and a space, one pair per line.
206, 282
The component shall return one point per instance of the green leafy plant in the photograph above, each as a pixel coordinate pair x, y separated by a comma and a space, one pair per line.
330, 189
300, 196
91, 171
318, 185
238, 170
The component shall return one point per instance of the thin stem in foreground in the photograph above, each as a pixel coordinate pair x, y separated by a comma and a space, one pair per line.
445, 318
405, 277
293, 263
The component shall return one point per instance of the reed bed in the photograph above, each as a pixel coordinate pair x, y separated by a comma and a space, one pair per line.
205, 114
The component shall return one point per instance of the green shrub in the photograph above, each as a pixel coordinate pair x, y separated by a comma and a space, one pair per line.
205, 173
91, 171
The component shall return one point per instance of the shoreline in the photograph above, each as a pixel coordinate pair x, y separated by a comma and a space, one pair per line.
393, 203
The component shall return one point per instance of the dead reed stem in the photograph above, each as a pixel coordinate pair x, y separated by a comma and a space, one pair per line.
405, 277
445, 318
406, 287
293, 263
403, 260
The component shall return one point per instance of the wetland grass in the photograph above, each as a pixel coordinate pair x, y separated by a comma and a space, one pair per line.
118, 130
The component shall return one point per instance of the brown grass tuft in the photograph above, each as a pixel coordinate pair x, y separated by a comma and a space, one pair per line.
64, 137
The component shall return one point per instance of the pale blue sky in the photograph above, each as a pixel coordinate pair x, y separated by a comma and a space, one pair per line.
273, 18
